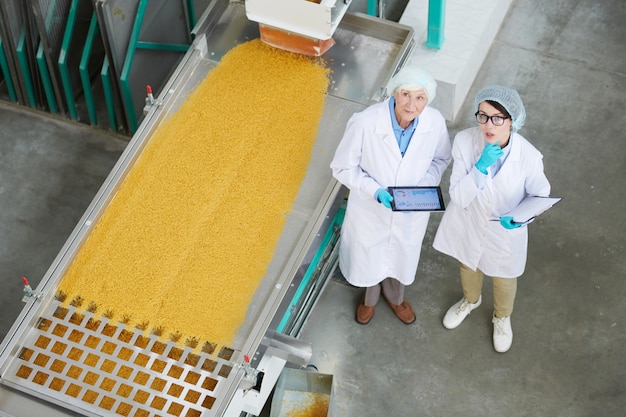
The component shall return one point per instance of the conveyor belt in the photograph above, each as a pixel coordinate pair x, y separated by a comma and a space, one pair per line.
101, 368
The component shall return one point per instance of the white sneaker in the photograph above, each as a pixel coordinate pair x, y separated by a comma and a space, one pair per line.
502, 334
457, 313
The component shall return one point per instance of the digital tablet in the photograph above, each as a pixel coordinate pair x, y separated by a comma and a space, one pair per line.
416, 199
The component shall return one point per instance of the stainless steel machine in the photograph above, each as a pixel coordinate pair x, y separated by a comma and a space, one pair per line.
58, 361
305, 27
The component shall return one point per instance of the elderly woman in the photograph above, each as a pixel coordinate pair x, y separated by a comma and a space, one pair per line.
398, 142
494, 169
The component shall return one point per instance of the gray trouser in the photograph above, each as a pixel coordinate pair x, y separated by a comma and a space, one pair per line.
391, 288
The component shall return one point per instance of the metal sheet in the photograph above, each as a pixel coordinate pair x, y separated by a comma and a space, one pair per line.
10, 23
117, 19
13, 20
51, 20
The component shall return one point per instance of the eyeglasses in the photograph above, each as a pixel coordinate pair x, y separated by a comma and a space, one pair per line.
495, 120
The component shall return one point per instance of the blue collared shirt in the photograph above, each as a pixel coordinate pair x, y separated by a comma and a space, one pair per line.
403, 136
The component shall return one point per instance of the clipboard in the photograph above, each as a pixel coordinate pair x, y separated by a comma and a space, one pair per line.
530, 208
417, 198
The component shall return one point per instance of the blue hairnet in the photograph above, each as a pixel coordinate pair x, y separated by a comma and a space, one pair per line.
508, 98
413, 78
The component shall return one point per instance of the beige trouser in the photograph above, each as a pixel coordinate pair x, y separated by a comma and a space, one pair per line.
391, 287
504, 290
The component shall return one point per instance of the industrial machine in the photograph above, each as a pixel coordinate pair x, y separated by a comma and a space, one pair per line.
305, 27
58, 361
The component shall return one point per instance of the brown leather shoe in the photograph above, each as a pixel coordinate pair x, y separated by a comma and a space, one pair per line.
364, 313
403, 311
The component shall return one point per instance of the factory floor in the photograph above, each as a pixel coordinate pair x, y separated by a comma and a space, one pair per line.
567, 60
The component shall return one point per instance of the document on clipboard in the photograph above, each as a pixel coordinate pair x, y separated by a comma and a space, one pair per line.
531, 207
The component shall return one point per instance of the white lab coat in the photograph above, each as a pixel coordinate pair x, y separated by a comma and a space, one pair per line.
466, 232
376, 242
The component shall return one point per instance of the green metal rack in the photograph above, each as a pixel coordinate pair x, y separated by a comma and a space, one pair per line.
56, 53
109, 97
85, 77
22, 56
44, 74
4, 66
63, 61
135, 44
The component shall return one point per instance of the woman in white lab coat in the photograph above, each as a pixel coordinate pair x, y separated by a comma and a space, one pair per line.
398, 142
494, 168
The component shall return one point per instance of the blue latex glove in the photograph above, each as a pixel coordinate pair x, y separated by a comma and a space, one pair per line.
384, 197
508, 223
490, 154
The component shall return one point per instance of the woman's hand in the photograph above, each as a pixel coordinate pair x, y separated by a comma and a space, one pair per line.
508, 223
384, 197
490, 154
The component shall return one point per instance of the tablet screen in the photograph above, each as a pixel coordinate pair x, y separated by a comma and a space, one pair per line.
416, 199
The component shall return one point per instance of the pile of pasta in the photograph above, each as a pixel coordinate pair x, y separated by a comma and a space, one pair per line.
186, 240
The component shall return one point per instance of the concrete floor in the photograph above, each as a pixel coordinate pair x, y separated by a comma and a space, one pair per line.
567, 60
50, 170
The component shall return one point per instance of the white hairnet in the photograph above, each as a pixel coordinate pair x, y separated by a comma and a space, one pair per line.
508, 98
413, 78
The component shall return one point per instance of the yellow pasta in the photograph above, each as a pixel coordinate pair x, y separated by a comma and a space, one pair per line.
312, 405
172, 251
